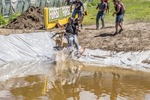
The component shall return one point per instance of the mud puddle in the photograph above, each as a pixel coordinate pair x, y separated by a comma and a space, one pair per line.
74, 83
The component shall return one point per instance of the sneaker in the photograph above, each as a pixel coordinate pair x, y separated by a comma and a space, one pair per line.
120, 30
115, 33
78, 54
102, 27
97, 28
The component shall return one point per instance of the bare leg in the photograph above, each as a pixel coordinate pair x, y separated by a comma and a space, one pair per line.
116, 26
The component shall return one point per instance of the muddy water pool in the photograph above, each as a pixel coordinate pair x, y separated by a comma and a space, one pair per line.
88, 83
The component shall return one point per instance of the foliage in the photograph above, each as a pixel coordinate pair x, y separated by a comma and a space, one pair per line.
136, 10
3, 20
13, 16
94, 3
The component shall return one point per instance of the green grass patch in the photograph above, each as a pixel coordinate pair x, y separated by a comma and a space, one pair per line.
136, 10
3, 20
13, 16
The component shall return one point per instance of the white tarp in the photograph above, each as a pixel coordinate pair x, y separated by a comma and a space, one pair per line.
26, 54
127, 60
25, 47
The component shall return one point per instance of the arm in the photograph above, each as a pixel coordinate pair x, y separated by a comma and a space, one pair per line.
71, 7
105, 7
83, 8
118, 10
97, 7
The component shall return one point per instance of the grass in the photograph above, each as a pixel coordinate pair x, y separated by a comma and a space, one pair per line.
4, 21
136, 10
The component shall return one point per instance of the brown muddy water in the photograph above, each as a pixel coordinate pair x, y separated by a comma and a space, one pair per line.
88, 83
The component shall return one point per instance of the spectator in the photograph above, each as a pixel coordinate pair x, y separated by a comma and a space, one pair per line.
119, 17
78, 4
102, 6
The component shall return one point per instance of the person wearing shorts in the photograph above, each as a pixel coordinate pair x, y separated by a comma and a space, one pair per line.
119, 17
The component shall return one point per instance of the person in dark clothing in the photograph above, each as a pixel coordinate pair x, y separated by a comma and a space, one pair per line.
123, 10
102, 6
71, 35
119, 16
76, 26
76, 31
78, 4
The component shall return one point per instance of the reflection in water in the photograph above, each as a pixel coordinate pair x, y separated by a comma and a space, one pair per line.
115, 85
75, 84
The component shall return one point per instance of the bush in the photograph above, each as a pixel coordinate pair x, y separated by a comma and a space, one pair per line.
93, 3
13, 16
3, 20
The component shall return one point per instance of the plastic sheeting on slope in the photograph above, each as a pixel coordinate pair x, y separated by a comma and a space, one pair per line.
127, 60
26, 47
26, 54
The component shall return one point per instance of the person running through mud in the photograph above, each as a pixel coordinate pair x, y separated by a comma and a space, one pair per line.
102, 6
75, 35
71, 35
78, 4
119, 17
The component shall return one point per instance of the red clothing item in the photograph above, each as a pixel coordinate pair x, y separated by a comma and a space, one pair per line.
106, 1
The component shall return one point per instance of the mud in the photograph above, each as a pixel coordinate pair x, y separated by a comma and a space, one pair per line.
33, 18
134, 37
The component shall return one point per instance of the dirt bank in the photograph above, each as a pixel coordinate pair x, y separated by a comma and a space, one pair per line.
33, 18
135, 37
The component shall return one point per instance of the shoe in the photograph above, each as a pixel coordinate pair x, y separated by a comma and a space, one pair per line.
78, 54
115, 33
97, 28
120, 30
102, 27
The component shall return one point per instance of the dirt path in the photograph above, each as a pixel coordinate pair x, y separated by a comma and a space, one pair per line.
136, 36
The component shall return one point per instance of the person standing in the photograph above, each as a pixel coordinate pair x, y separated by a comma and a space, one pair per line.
102, 7
78, 4
119, 17
123, 10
